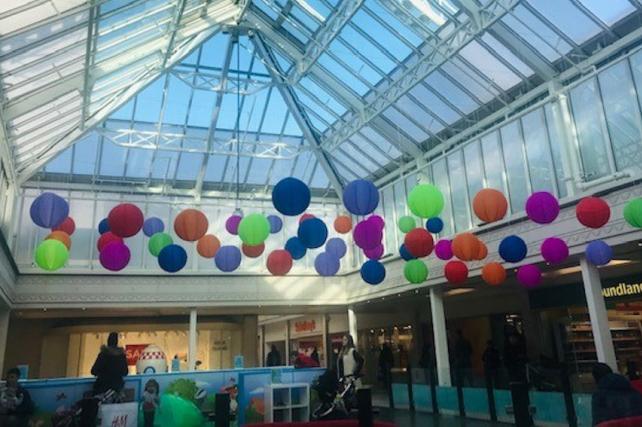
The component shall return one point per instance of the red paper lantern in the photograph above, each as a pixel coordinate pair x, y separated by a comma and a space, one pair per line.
190, 225
343, 224
68, 226
253, 251
107, 238
419, 242
304, 217
125, 220
592, 212
456, 272
279, 262
494, 274
208, 245
61, 236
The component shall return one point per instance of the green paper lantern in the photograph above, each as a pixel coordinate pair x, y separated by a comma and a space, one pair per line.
176, 411
633, 212
426, 201
254, 229
415, 271
51, 255
158, 241
407, 223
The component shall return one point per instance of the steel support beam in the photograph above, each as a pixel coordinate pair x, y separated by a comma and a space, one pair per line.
89, 59
297, 112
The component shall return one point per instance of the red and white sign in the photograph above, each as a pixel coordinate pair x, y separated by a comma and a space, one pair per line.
305, 326
133, 352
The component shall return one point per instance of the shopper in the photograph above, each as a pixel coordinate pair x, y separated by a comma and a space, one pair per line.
463, 362
349, 361
110, 367
300, 360
515, 356
614, 397
15, 402
273, 357
386, 362
315, 356
491, 361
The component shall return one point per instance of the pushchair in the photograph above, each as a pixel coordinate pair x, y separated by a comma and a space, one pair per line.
338, 397
84, 412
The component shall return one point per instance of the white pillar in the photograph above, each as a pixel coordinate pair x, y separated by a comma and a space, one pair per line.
352, 324
440, 337
598, 314
4, 330
192, 345
324, 332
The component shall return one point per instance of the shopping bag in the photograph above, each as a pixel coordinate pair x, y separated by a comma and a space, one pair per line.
119, 414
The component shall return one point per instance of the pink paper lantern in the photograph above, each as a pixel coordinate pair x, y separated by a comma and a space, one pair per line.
554, 250
367, 234
443, 250
529, 276
115, 256
374, 253
542, 207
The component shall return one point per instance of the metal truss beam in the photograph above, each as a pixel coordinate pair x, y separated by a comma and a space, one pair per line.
89, 59
297, 113
403, 144
212, 82
433, 54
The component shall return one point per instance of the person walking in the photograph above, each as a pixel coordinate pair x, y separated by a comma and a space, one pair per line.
273, 357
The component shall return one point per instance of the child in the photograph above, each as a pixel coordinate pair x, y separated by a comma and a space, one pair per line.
150, 402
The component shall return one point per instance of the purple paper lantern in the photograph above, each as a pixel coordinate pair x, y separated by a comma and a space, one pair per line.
228, 258
115, 256
529, 275
232, 224
443, 249
374, 253
598, 253
49, 210
367, 234
275, 223
336, 247
542, 207
554, 250
152, 226
376, 221
326, 264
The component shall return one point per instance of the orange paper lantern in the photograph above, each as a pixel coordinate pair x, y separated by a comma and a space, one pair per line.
494, 274
343, 224
465, 246
490, 205
253, 251
208, 245
190, 225
61, 236
482, 252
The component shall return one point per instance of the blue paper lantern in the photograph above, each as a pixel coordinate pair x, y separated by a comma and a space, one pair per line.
512, 249
361, 197
326, 264
291, 196
435, 225
407, 256
373, 272
276, 224
598, 253
172, 258
49, 210
312, 233
152, 226
103, 226
296, 248
228, 258
336, 247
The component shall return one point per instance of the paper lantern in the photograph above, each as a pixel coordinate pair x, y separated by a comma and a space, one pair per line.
512, 249
232, 224
633, 212
326, 264
279, 262
425, 201
61, 236
592, 212
67, 225
493, 274
103, 226
435, 225
406, 223
465, 246
295, 247
305, 216
152, 226
172, 258
456, 272
373, 272
158, 242
483, 251
529, 275
376, 221
542, 207
312, 233
490, 205
291, 196
374, 253
49, 210
343, 224
125, 220
51, 255
178, 412
415, 271
554, 250
419, 242
254, 229
443, 249
228, 258
276, 224
107, 238
367, 234
191, 224
253, 251
336, 247
598, 253
208, 245
360, 197
115, 256
403, 252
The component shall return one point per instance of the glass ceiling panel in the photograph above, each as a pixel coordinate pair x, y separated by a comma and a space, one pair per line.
610, 11
568, 18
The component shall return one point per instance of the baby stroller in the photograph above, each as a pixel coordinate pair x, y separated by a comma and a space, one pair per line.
338, 397
84, 412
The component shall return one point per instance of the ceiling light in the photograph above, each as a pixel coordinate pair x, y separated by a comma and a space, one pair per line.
458, 291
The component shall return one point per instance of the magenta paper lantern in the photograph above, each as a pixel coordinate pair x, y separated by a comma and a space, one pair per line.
232, 224
542, 207
367, 234
376, 221
443, 249
554, 250
374, 253
529, 275
115, 256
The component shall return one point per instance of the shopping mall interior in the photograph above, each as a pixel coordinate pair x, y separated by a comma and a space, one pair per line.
439, 197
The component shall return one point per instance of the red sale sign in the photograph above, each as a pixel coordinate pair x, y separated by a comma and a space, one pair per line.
133, 351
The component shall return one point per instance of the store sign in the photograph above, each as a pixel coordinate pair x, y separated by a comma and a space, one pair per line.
622, 289
219, 345
133, 352
305, 326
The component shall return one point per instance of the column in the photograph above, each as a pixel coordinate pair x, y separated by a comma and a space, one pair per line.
250, 341
440, 337
4, 330
562, 123
286, 356
262, 354
324, 332
192, 344
597, 313
352, 325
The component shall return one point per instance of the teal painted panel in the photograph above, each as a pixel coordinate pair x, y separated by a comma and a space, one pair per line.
476, 401
583, 409
422, 397
400, 395
447, 399
502, 400
549, 406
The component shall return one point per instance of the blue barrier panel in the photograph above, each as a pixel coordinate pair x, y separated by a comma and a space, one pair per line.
447, 400
503, 400
582, 403
549, 406
476, 403
400, 395
422, 397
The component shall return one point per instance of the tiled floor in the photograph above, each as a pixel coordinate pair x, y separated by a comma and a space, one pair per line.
405, 418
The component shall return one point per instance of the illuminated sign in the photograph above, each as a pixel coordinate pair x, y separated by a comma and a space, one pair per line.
622, 289
305, 326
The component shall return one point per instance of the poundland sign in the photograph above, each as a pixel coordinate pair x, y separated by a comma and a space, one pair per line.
622, 289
